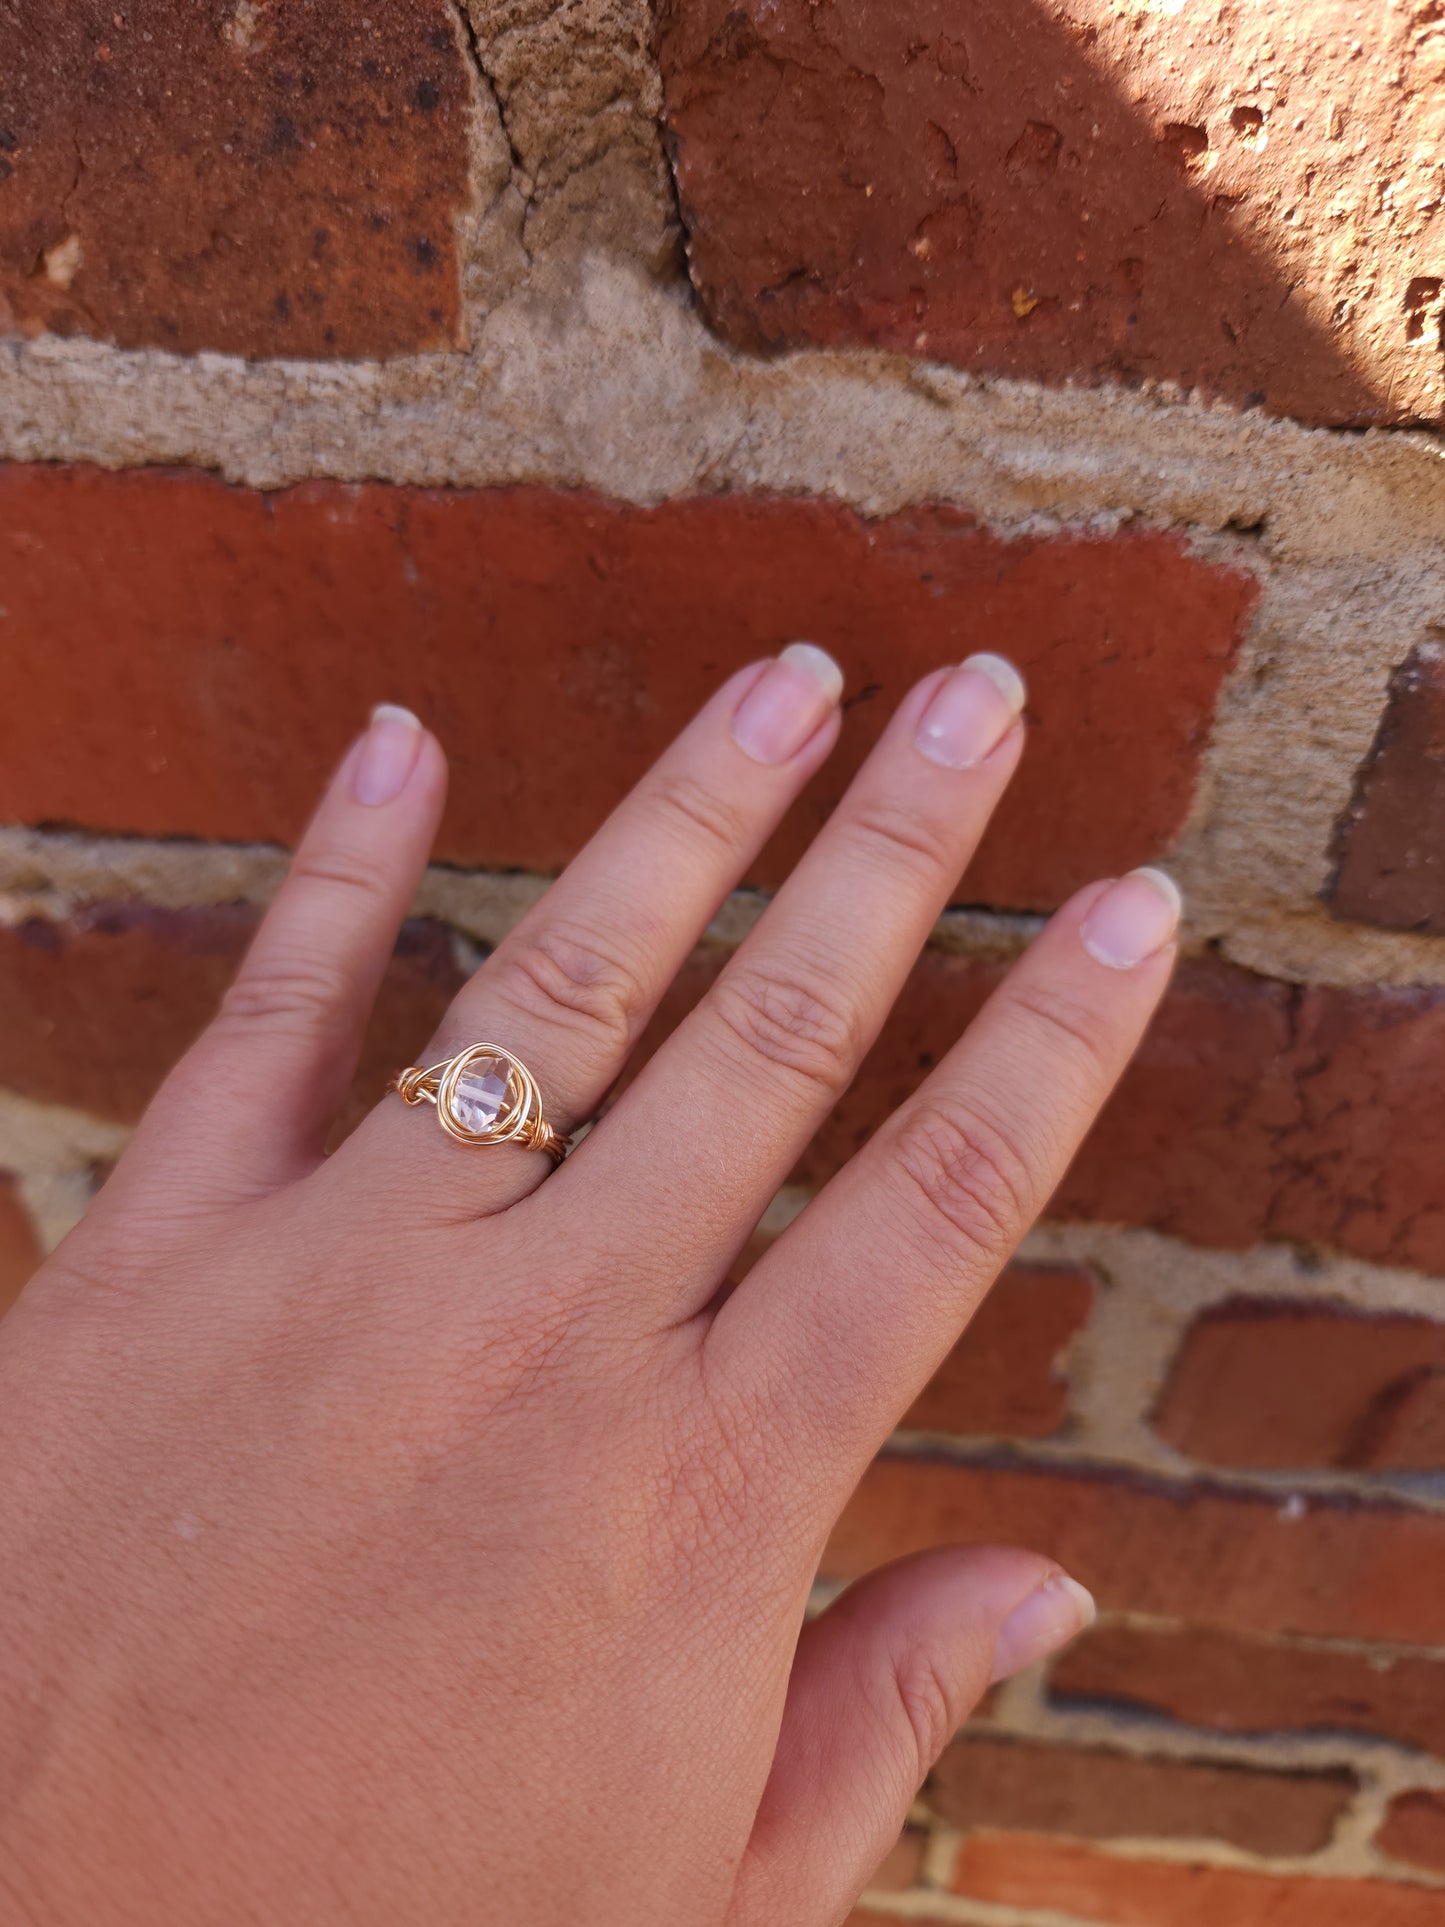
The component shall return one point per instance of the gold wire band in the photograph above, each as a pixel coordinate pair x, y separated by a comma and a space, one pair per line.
519, 1117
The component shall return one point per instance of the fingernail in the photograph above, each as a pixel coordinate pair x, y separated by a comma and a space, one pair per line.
971, 712
1133, 919
389, 751
787, 703
1048, 1619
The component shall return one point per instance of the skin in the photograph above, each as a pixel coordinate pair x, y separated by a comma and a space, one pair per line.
412, 1535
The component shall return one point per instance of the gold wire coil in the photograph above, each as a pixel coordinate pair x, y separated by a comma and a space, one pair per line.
519, 1117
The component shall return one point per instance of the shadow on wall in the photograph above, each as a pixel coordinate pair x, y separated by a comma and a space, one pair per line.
1238, 202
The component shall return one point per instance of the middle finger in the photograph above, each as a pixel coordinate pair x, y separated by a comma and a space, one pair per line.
747, 1078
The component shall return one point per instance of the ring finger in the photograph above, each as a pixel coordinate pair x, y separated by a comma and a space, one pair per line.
572, 985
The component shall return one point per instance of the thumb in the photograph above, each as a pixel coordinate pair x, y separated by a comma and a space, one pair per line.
881, 1682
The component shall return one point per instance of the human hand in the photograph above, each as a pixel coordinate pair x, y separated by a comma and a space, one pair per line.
396, 1536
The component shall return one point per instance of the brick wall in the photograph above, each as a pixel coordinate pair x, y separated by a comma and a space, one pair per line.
535, 366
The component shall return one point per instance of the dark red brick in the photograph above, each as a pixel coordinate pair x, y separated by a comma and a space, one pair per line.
1414, 1831
1236, 1684
1096, 1794
189, 657
1002, 1377
1254, 1110
1273, 1385
1085, 1884
277, 178
1070, 191
19, 1248
1224, 1559
112, 999
1390, 846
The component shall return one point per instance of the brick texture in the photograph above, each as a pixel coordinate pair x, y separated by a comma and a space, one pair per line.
19, 1249
275, 178
1264, 1384
1390, 846
1414, 1831
1254, 1110
113, 998
1236, 1684
1222, 1559
1071, 190
1086, 1885
186, 641
1100, 1795
1002, 1377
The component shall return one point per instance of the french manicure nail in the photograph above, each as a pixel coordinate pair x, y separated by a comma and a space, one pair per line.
1133, 919
971, 712
1048, 1619
787, 703
388, 756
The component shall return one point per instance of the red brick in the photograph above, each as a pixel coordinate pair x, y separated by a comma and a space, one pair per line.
202, 653
1001, 1377
19, 1248
1096, 1794
904, 1865
1390, 845
1231, 1560
1414, 1831
1094, 1887
1076, 192
1235, 1684
1254, 1110
1269, 1384
870, 1917
277, 179
112, 999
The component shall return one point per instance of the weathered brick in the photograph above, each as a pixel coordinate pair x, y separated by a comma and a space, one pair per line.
1085, 1884
113, 998
1390, 844
1078, 192
203, 652
279, 178
1236, 1684
1093, 1793
1236, 1561
1414, 1831
1254, 1110
1001, 1377
19, 1248
1260, 1383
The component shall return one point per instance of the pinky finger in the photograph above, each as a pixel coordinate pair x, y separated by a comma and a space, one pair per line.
248, 1108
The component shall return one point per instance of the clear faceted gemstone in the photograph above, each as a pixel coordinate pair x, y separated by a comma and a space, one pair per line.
480, 1093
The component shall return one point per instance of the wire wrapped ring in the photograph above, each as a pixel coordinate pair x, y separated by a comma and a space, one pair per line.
484, 1095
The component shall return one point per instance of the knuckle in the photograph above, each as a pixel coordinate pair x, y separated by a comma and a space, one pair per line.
930, 1705
338, 869
900, 836
1064, 1023
293, 995
694, 806
780, 1016
969, 1179
563, 975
